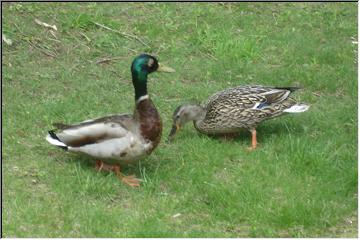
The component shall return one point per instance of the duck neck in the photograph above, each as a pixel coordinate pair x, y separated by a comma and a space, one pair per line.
139, 79
200, 113
145, 111
196, 113
198, 116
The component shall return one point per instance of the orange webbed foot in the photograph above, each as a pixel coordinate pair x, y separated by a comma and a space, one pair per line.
131, 180
250, 149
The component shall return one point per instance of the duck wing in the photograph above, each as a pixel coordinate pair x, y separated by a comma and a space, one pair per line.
115, 138
95, 130
253, 97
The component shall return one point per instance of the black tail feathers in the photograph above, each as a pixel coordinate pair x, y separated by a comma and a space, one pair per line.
53, 135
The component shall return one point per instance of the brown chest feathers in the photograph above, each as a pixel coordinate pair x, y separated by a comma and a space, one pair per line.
150, 122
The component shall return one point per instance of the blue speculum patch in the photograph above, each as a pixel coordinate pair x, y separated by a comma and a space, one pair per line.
262, 105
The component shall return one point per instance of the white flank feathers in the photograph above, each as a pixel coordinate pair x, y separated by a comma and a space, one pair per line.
298, 108
54, 141
128, 147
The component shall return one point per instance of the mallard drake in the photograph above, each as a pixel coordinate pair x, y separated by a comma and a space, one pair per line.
121, 138
243, 107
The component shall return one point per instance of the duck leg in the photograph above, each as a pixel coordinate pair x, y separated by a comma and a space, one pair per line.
129, 180
98, 165
253, 139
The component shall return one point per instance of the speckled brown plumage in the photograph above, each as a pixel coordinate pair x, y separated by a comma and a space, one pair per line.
233, 109
244, 107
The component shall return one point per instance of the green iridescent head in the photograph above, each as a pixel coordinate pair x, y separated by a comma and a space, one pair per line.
141, 66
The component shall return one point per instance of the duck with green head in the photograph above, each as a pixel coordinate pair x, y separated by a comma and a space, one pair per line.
121, 138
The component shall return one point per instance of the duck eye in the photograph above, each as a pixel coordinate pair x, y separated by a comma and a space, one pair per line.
150, 62
177, 116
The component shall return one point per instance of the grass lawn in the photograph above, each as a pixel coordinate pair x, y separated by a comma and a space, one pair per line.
300, 182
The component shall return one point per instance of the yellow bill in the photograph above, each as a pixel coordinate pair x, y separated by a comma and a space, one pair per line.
163, 68
175, 128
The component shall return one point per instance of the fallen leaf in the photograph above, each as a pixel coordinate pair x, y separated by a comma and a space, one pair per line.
45, 24
8, 41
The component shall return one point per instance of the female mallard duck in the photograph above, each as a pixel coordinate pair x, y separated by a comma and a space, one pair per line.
243, 107
122, 138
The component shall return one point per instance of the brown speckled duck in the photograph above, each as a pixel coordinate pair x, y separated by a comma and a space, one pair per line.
122, 138
244, 107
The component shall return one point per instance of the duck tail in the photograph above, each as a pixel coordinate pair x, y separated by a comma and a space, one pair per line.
297, 108
54, 140
291, 89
